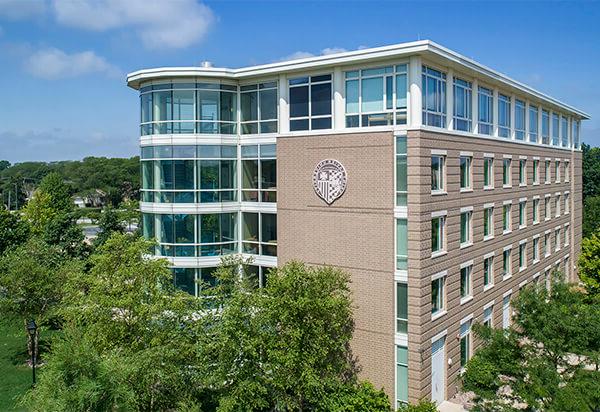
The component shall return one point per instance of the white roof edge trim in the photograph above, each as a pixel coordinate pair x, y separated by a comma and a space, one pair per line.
348, 57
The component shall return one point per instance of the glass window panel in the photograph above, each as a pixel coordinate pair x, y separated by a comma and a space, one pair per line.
209, 228
352, 96
183, 104
401, 91
250, 174
298, 125
322, 123
401, 174
209, 174
250, 151
163, 152
146, 107
148, 225
268, 173
268, 150
184, 228
229, 152
372, 94
165, 229
184, 174
268, 104
401, 307
268, 228
249, 109
148, 175
162, 108
321, 99
187, 152
185, 279
321, 78
250, 227
209, 151
228, 174
165, 175
208, 105
298, 101
228, 108
401, 244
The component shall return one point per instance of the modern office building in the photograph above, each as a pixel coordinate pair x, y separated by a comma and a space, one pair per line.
440, 185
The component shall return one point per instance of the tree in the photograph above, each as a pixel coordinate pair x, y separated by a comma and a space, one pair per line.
591, 170
547, 361
4, 164
128, 343
31, 281
109, 222
283, 347
589, 263
13, 230
591, 215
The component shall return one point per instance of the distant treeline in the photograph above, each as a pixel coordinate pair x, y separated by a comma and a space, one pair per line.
99, 180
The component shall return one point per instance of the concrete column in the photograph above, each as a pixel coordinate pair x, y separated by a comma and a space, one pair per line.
284, 110
450, 99
475, 106
415, 94
339, 106
495, 115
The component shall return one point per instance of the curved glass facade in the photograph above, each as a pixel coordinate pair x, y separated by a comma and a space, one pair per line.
206, 108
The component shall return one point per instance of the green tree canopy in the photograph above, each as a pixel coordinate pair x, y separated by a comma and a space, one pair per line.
549, 358
110, 222
589, 263
13, 230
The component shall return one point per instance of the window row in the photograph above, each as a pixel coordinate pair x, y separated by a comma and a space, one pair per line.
208, 108
439, 164
213, 179
438, 223
211, 234
192, 280
530, 122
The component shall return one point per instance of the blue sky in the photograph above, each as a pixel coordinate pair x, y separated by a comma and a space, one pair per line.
63, 62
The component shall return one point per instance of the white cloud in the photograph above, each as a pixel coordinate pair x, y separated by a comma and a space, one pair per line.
304, 54
21, 9
158, 23
52, 63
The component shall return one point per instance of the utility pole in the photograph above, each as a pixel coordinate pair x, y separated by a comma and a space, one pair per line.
16, 198
9, 200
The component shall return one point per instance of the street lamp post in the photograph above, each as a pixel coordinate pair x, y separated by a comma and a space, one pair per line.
31, 329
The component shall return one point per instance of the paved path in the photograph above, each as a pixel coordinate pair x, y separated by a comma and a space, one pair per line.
450, 407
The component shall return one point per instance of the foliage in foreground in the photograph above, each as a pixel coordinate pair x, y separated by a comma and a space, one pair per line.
284, 347
13, 230
548, 360
424, 405
133, 342
589, 264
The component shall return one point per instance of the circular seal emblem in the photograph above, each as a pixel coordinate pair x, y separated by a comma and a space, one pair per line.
329, 180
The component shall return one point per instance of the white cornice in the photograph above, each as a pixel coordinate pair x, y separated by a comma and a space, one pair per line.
425, 48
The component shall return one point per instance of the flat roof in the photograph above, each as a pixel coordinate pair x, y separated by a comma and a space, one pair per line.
425, 48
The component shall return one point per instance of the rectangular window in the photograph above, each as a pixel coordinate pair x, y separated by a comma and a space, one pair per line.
259, 231
310, 102
522, 214
506, 218
506, 263
564, 131
536, 249
523, 172
507, 172
504, 115
465, 343
533, 124
401, 171
488, 271
547, 208
401, 307
437, 173
506, 315
545, 127
376, 97
465, 228
536, 172
486, 110
522, 256
259, 173
258, 108
536, 211
465, 282
567, 235
555, 126
519, 119
488, 222
437, 234
437, 295
465, 172
575, 133
488, 172
557, 239
401, 244
488, 315
434, 97
557, 171
462, 105
547, 245
567, 171
567, 204
557, 205
547, 176
401, 376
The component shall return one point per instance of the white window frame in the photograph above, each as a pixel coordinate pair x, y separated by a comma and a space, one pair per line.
489, 210
442, 156
508, 173
489, 158
468, 268
469, 162
489, 257
468, 212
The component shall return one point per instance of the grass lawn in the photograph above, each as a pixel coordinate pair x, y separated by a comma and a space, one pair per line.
15, 375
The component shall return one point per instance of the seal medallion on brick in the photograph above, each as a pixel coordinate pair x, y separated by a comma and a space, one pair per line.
329, 180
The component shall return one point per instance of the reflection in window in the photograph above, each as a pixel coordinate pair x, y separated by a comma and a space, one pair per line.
486, 110
545, 127
310, 102
533, 124
258, 105
259, 233
503, 116
519, 119
401, 171
401, 244
434, 97
376, 97
259, 173
462, 105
